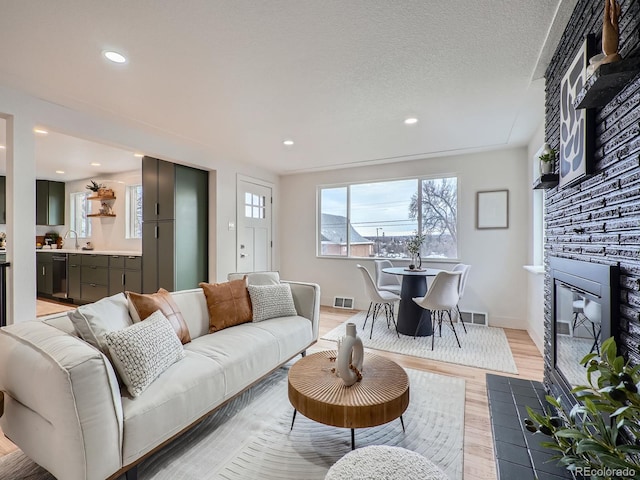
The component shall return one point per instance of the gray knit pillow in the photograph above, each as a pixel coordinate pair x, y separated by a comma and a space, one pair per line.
270, 301
143, 351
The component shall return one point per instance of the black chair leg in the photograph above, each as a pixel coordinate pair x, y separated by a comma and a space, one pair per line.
376, 310
393, 319
461, 320
433, 328
367, 317
453, 328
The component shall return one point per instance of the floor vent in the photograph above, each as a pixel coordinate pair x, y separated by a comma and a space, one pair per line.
343, 302
476, 318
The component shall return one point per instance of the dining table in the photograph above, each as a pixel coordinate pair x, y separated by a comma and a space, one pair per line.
414, 284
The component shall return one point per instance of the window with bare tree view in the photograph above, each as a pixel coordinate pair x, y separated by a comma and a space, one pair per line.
376, 219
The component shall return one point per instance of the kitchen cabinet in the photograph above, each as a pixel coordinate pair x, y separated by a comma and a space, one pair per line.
125, 274
175, 227
73, 276
50, 200
94, 277
44, 269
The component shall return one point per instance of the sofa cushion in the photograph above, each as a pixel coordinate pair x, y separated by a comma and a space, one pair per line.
228, 304
271, 301
185, 392
257, 278
143, 305
193, 305
94, 320
143, 351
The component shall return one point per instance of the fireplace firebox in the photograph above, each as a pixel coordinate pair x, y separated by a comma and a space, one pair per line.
584, 313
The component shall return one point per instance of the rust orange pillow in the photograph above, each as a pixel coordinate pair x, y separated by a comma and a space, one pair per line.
143, 305
228, 303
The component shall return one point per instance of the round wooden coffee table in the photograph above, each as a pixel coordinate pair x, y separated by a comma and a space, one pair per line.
380, 397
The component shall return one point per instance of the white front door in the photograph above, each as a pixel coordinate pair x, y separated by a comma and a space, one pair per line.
254, 227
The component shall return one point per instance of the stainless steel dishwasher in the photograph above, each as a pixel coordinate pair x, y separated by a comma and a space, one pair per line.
59, 275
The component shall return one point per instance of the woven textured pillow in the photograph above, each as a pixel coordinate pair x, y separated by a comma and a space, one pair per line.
143, 351
271, 301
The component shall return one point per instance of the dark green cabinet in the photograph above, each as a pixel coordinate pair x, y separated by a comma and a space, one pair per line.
44, 270
125, 274
73, 276
175, 226
50, 200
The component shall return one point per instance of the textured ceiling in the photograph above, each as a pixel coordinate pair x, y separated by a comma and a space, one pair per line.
336, 76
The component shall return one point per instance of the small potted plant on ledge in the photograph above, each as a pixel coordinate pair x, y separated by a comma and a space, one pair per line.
590, 437
95, 187
547, 160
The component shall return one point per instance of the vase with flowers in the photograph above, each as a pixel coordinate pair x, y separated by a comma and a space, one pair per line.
414, 245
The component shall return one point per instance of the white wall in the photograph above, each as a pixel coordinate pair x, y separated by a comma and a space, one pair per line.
24, 112
497, 282
107, 233
535, 278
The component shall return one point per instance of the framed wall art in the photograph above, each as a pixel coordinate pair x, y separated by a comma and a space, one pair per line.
492, 209
576, 126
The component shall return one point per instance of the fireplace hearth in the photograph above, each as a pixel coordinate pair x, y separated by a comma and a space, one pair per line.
584, 313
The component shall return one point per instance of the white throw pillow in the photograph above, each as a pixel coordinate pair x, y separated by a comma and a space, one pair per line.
257, 278
270, 301
94, 320
143, 351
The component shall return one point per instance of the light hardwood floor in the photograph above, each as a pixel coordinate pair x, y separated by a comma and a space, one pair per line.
479, 462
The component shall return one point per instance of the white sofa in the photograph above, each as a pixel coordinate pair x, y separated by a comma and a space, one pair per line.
64, 408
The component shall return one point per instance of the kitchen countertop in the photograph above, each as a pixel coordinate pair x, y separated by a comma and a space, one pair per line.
91, 252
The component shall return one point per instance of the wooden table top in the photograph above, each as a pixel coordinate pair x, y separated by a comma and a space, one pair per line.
380, 397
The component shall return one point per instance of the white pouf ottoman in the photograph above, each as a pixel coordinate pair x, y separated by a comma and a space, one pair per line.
381, 462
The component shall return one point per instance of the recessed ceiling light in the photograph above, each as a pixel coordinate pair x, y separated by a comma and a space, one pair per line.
138, 155
60, 171
115, 57
40, 131
411, 121
288, 143
95, 164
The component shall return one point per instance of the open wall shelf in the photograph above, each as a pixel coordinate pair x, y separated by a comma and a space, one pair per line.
101, 215
606, 82
548, 180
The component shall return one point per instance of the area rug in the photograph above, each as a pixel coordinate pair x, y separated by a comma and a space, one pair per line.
250, 438
483, 347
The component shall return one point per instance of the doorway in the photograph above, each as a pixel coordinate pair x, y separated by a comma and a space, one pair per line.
254, 240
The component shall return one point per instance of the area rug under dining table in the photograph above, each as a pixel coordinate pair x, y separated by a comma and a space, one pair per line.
482, 347
249, 438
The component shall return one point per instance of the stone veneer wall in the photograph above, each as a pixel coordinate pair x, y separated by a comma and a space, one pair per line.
598, 220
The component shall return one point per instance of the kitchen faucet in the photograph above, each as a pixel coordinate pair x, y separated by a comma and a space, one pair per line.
67, 234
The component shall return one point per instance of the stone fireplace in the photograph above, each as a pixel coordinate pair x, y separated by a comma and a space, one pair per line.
596, 221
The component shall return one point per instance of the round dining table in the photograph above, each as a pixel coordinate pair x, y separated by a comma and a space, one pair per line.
414, 284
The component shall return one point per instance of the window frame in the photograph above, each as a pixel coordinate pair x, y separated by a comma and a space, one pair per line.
348, 185
129, 214
73, 214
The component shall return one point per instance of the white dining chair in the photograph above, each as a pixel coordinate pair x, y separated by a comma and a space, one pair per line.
461, 267
379, 300
387, 281
442, 297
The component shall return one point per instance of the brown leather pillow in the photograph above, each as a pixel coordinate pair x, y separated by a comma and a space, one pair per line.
143, 305
228, 303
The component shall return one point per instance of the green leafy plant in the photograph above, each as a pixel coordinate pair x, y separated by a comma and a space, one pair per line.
549, 156
588, 438
414, 244
94, 187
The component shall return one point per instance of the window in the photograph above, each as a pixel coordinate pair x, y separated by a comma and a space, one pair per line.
133, 205
376, 219
80, 208
254, 205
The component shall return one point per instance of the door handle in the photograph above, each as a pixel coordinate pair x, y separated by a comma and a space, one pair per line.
155, 231
157, 208
243, 255
43, 270
123, 279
